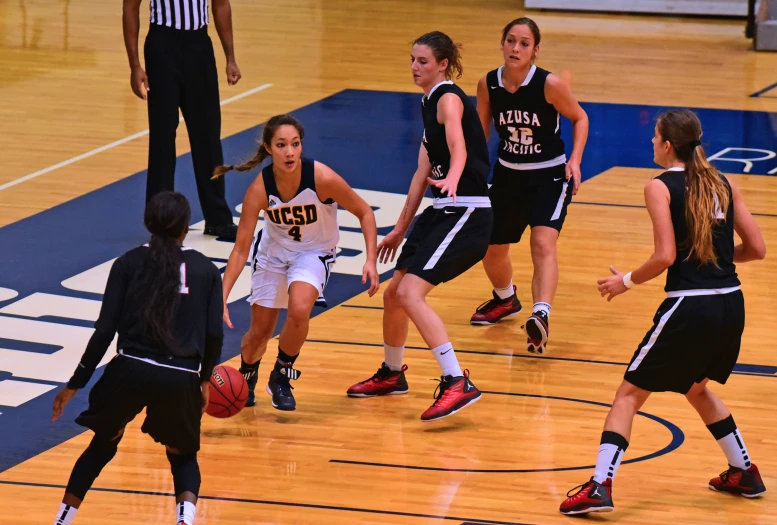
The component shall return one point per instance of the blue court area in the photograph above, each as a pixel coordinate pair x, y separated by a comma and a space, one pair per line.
371, 138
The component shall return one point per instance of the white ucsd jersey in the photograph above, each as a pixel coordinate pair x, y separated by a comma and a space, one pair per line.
302, 224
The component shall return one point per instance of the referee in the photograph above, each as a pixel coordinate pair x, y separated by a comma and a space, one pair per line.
181, 73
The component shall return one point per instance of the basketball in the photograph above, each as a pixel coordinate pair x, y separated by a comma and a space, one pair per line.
228, 392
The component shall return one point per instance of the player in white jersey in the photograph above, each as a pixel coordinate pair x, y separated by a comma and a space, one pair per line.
292, 256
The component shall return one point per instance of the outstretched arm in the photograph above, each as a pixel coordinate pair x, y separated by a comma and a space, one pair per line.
664, 252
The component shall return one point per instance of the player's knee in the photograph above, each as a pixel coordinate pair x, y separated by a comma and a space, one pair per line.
100, 452
257, 337
543, 247
406, 295
186, 472
298, 315
390, 299
629, 400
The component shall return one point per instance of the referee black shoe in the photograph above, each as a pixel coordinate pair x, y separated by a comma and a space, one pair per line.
224, 232
280, 389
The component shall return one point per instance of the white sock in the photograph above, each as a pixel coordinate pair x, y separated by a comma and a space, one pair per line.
610, 456
734, 448
185, 513
730, 440
393, 356
65, 515
542, 307
505, 293
446, 358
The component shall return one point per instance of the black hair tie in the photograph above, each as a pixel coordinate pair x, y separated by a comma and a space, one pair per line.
695, 143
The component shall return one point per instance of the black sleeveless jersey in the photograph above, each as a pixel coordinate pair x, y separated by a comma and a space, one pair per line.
474, 178
687, 274
528, 125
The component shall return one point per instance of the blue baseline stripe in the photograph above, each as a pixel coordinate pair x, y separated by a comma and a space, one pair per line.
275, 503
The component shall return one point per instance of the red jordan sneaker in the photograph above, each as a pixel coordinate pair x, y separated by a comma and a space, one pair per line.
592, 497
385, 382
493, 311
747, 483
452, 394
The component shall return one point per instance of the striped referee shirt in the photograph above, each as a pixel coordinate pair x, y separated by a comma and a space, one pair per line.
180, 14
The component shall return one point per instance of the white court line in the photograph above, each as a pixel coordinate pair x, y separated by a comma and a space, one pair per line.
114, 144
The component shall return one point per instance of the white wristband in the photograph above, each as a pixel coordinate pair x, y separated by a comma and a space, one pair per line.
627, 282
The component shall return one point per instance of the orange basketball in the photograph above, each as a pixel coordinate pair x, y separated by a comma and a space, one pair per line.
228, 392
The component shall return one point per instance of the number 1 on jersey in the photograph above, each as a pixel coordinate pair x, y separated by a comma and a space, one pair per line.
184, 288
295, 233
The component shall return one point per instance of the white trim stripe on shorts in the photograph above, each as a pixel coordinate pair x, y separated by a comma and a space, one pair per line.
560, 203
654, 336
696, 293
558, 161
448, 239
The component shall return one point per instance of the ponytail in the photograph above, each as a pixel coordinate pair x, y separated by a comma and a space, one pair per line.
707, 192
167, 219
707, 196
264, 145
246, 166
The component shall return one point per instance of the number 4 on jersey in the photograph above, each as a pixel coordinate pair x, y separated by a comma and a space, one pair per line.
295, 233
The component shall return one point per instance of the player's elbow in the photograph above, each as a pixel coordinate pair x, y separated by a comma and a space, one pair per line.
665, 257
759, 251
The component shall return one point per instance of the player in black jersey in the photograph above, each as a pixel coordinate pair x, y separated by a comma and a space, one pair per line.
449, 237
697, 330
165, 302
533, 182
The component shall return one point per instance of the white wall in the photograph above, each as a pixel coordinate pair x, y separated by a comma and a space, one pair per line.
700, 7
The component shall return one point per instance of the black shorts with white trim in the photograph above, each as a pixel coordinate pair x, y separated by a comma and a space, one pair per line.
694, 337
170, 393
446, 242
522, 198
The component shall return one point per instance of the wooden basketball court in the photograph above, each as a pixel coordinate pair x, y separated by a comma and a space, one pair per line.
512, 457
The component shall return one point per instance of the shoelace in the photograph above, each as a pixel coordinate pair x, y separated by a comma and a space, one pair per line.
383, 372
284, 387
442, 386
724, 475
579, 489
485, 306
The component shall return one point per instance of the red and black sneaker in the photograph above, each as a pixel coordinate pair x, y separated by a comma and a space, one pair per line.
537, 328
451, 395
385, 382
747, 483
592, 497
493, 311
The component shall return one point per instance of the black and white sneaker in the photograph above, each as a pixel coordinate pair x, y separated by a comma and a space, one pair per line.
280, 389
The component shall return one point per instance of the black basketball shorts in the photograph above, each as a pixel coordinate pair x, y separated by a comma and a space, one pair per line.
446, 242
692, 338
522, 198
172, 399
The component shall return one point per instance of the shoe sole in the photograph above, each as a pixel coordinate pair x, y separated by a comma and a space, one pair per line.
588, 510
462, 407
276, 406
483, 323
757, 495
394, 393
537, 332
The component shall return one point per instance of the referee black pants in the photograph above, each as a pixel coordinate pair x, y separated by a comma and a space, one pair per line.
181, 70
